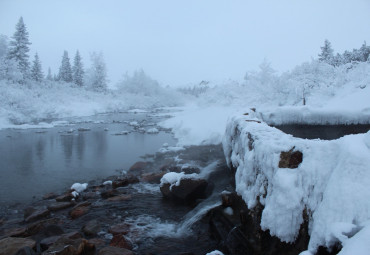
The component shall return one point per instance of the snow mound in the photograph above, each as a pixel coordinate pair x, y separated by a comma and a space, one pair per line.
174, 179
152, 131
216, 252
79, 187
331, 184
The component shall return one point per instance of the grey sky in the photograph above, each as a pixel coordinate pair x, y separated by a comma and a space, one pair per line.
177, 42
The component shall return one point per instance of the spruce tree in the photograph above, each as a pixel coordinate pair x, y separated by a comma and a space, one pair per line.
49, 76
98, 72
65, 70
326, 54
78, 71
36, 70
18, 48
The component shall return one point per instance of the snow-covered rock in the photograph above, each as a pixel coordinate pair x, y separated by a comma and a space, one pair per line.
79, 187
331, 184
152, 131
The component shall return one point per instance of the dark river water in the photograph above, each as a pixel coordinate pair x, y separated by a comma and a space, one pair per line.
37, 161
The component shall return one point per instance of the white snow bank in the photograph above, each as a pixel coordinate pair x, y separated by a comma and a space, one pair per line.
332, 183
79, 187
315, 116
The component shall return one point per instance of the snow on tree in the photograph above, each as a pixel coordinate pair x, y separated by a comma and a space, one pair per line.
78, 71
49, 77
18, 48
3, 46
65, 70
326, 54
36, 70
98, 72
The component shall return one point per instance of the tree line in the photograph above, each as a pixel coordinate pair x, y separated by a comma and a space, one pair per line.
16, 67
356, 55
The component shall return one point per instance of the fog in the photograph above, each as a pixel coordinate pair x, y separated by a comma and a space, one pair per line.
189, 41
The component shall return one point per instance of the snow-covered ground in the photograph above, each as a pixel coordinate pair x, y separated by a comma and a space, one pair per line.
333, 180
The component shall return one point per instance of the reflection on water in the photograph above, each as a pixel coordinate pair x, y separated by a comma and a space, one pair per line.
33, 163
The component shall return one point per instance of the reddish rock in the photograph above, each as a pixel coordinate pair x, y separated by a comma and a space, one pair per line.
124, 181
11, 245
89, 195
153, 177
97, 242
37, 227
59, 206
138, 166
290, 159
122, 229
108, 193
64, 198
121, 242
39, 214
66, 246
50, 195
115, 251
119, 198
78, 212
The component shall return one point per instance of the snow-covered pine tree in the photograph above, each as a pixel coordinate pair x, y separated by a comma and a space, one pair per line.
18, 48
98, 72
65, 70
78, 71
36, 70
49, 77
326, 54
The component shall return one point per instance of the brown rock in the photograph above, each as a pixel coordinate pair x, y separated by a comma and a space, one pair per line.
153, 177
138, 166
50, 195
108, 193
73, 235
38, 226
91, 228
290, 159
59, 206
64, 198
119, 198
122, 229
115, 251
188, 190
124, 181
25, 251
89, 195
78, 212
28, 211
97, 242
39, 214
66, 246
11, 245
121, 242
17, 232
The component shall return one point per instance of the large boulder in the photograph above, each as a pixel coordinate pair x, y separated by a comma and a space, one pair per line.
183, 187
11, 245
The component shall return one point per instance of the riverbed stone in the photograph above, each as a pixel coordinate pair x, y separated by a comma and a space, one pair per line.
78, 211
11, 245
17, 232
50, 195
124, 181
73, 235
108, 193
138, 166
59, 206
120, 198
66, 246
38, 226
25, 251
122, 229
38, 214
115, 251
187, 190
153, 177
91, 228
47, 242
65, 197
121, 242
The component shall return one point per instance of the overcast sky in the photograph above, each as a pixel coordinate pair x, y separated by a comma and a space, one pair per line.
180, 42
